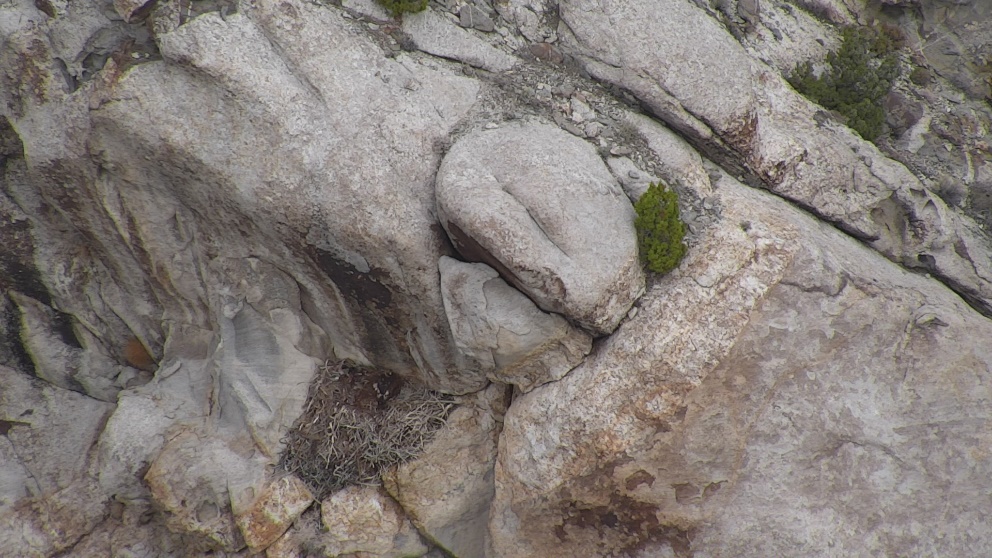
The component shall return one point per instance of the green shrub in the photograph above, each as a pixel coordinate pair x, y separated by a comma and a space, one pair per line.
857, 78
400, 7
659, 229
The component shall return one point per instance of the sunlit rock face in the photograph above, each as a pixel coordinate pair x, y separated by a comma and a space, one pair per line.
212, 211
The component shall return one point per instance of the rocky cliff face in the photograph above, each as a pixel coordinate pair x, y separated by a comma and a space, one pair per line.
205, 204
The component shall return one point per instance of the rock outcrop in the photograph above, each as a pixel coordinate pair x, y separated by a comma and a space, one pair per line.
449, 491
366, 521
220, 217
799, 422
49, 494
743, 114
502, 332
538, 205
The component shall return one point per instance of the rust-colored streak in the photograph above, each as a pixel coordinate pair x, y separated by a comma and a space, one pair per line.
136, 355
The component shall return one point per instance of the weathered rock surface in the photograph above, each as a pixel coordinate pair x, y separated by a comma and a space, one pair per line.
197, 482
957, 37
154, 220
49, 496
200, 202
470, 16
52, 431
58, 356
540, 207
743, 114
273, 511
500, 330
435, 34
788, 417
448, 491
155, 255
365, 521
534, 19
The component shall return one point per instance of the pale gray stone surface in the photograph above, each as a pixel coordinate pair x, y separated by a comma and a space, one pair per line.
470, 16
532, 18
49, 497
246, 190
539, 206
57, 356
500, 330
367, 522
789, 404
746, 116
449, 490
434, 33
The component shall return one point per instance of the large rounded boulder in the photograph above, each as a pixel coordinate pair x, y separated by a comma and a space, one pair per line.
538, 205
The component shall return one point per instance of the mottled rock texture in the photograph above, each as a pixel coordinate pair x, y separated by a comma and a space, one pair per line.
367, 522
743, 114
788, 419
272, 512
540, 207
203, 204
448, 492
500, 329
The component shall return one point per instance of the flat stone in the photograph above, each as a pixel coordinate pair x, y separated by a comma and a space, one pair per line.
272, 513
473, 17
448, 491
581, 112
501, 332
573, 129
623, 169
593, 129
197, 480
364, 519
435, 34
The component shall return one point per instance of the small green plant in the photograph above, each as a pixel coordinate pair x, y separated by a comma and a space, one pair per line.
659, 229
858, 76
400, 7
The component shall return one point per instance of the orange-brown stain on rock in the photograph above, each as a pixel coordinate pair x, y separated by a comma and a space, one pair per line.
136, 355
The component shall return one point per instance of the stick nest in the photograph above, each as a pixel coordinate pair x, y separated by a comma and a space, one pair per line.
358, 422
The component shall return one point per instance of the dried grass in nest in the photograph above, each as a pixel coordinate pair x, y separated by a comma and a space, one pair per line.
347, 435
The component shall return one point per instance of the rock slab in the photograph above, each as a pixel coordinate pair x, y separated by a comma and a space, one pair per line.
777, 415
500, 330
272, 513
